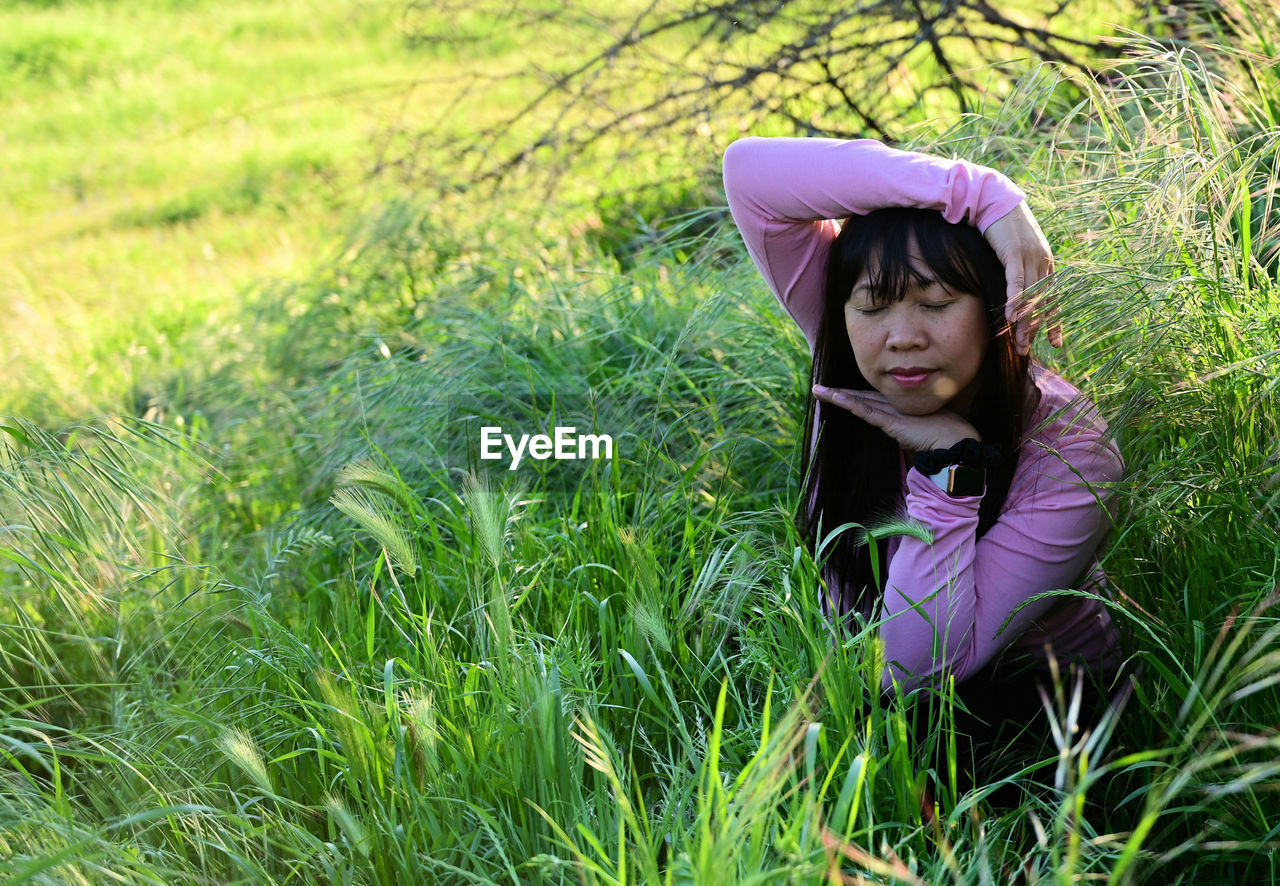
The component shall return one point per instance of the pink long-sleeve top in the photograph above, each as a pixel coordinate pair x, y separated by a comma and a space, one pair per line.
957, 603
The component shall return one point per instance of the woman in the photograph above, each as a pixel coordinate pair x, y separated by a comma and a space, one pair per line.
925, 401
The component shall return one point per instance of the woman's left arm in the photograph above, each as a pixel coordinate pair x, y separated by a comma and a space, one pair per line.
954, 604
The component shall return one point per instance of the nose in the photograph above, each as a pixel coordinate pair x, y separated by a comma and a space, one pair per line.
904, 332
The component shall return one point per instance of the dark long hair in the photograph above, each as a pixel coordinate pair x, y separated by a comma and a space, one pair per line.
852, 473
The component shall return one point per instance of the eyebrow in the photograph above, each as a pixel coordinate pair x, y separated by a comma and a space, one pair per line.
924, 280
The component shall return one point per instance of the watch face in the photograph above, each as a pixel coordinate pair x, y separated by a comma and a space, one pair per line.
964, 480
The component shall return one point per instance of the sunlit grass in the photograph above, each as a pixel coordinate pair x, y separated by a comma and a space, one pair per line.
160, 159
288, 628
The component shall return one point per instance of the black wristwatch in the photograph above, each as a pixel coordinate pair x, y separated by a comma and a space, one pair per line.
960, 470
957, 480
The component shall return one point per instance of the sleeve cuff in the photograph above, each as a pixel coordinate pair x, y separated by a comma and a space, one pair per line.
926, 493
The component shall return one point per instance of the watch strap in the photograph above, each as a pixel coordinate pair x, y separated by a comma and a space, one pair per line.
967, 452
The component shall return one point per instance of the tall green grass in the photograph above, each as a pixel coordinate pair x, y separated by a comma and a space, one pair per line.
293, 630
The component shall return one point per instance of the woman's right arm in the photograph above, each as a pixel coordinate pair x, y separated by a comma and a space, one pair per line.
785, 194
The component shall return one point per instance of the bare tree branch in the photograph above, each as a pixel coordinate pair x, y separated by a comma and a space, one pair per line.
687, 75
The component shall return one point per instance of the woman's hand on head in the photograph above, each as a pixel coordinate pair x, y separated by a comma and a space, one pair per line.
1022, 248
917, 433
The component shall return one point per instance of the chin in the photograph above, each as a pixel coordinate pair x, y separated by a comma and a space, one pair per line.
917, 405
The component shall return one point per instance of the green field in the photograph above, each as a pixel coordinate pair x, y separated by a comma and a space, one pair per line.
266, 618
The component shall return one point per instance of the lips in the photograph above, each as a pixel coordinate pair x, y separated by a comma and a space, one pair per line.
910, 376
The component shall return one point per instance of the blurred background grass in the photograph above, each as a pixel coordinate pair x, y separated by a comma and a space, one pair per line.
267, 619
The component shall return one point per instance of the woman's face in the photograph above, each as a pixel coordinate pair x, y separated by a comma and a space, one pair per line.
922, 352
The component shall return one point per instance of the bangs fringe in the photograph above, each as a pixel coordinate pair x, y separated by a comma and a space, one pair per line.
880, 247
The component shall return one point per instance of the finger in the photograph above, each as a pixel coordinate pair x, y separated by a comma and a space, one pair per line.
1053, 316
1032, 312
1013, 292
1030, 320
841, 397
860, 403
1021, 326
822, 392
1014, 304
834, 396
874, 397
872, 414
1055, 328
